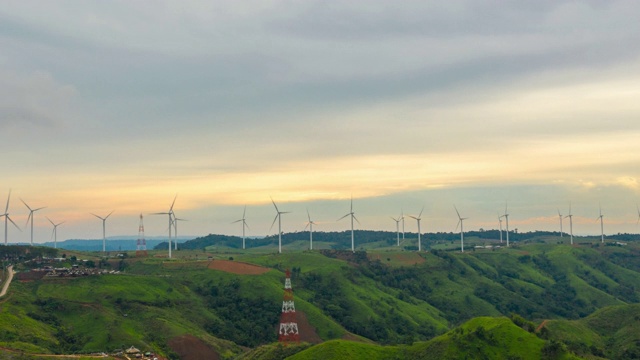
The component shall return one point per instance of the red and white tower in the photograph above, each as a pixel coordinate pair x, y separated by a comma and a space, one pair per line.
141, 249
288, 326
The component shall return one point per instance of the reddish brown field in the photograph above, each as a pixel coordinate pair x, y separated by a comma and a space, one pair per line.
189, 347
307, 331
405, 258
30, 275
236, 267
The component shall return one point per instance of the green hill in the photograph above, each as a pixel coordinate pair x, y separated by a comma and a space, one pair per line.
383, 297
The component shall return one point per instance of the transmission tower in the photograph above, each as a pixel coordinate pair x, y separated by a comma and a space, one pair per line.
141, 250
288, 332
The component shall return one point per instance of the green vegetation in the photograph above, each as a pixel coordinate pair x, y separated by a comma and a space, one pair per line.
397, 303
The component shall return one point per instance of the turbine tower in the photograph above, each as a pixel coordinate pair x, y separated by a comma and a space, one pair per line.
506, 218
601, 225
310, 224
570, 216
175, 230
461, 224
244, 225
418, 218
353, 216
170, 213
31, 211
104, 237
500, 221
54, 233
402, 218
279, 218
560, 218
8, 218
397, 227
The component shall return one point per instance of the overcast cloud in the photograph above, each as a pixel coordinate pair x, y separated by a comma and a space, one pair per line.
121, 105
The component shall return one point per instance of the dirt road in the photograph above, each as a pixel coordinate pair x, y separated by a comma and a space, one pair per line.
7, 282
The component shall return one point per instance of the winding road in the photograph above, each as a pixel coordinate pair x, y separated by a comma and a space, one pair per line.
7, 282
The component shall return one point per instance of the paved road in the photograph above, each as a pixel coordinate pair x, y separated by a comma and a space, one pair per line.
5, 287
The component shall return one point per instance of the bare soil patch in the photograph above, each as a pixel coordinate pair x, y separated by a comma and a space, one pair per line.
237, 267
307, 331
30, 275
189, 347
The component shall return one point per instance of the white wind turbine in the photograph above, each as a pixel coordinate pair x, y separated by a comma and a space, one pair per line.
506, 217
402, 218
461, 224
353, 216
170, 213
500, 221
570, 216
560, 218
279, 218
54, 233
601, 224
8, 218
310, 224
104, 234
175, 230
31, 211
244, 225
418, 218
397, 227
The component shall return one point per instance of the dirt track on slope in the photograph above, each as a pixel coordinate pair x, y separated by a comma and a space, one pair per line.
7, 282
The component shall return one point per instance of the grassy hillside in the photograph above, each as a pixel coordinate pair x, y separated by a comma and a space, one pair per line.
384, 296
612, 332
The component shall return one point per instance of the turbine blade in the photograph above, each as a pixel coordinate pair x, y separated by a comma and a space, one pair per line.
343, 217
421, 212
274, 221
245, 224
106, 217
50, 221
458, 224
308, 216
233, 222
14, 224
274, 205
173, 203
356, 219
413, 217
457, 212
28, 218
40, 208
6, 209
244, 212
25, 204
96, 216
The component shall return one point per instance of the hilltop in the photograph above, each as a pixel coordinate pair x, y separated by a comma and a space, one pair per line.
226, 301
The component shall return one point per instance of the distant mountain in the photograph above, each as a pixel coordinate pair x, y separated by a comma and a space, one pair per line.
119, 243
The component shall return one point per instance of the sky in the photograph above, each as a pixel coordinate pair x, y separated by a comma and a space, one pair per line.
122, 106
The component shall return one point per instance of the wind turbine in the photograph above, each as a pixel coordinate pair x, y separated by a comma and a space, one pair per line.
170, 213
500, 221
506, 217
397, 227
7, 217
31, 211
175, 230
570, 216
279, 218
601, 224
402, 218
353, 216
244, 225
54, 233
461, 224
560, 217
104, 237
418, 218
310, 224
